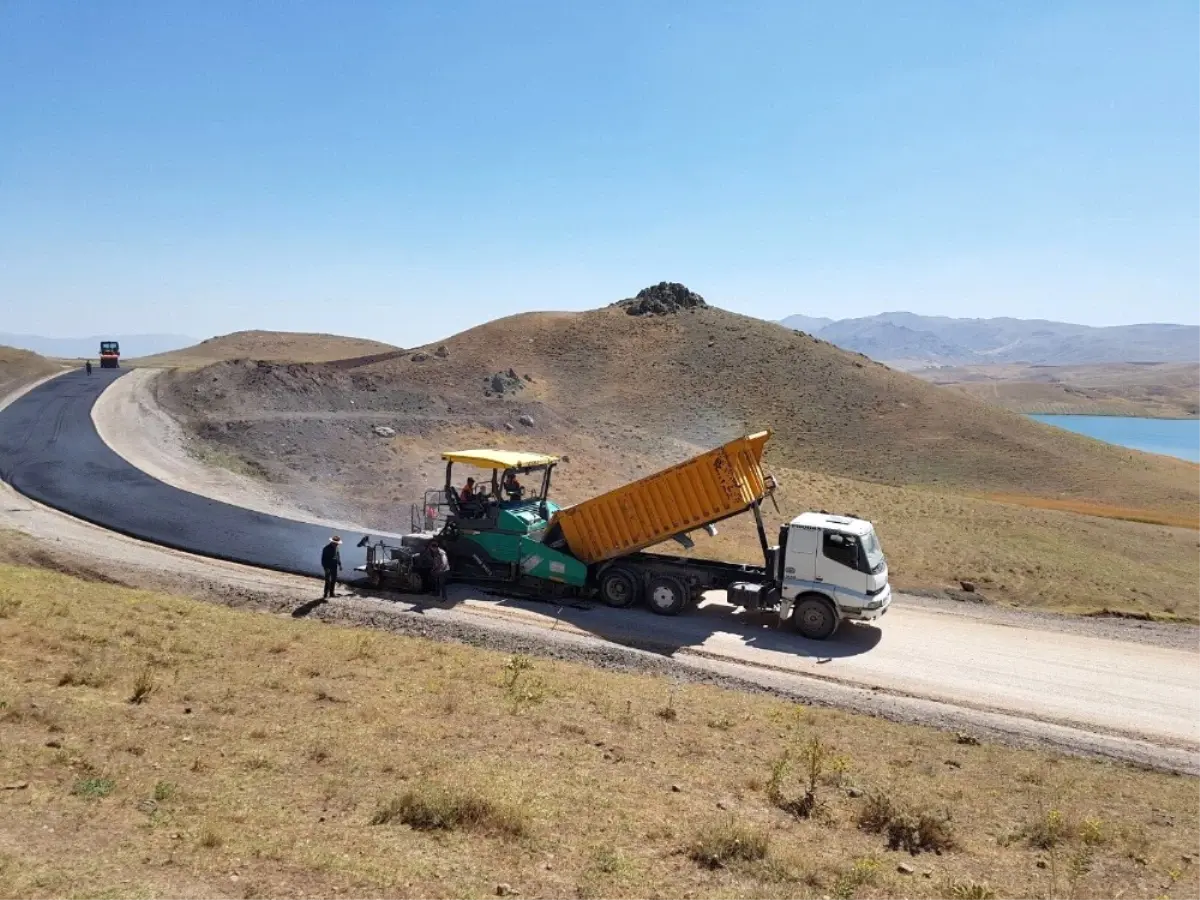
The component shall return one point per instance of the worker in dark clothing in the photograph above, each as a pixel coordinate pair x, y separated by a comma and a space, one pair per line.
513, 487
439, 567
88, 365
331, 562
467, 494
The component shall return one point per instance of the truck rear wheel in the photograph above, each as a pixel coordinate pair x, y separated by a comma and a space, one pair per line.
814, 617
666, 595
618, 588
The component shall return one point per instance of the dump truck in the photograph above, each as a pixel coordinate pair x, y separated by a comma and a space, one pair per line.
110, 355
506, 530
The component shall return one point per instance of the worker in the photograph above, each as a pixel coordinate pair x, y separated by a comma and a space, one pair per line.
88, 365
439, 567
467, 495
512, 486
331, 562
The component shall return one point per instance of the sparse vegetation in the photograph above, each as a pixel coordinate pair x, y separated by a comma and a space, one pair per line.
221, 775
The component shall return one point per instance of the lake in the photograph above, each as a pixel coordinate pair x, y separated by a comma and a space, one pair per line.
1170, 437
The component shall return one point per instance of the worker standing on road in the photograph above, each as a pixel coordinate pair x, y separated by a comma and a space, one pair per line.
88, 365
331, 562
439, 566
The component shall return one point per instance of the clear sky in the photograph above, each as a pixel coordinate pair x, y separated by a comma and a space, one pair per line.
405, 170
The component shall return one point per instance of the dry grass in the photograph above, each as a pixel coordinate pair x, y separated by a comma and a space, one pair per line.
232, 767
274, 346
1101, 510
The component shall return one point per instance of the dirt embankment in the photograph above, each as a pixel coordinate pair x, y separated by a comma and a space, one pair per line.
19, 367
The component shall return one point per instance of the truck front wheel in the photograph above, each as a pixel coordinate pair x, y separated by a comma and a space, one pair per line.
814, 617
666, 595
618, 588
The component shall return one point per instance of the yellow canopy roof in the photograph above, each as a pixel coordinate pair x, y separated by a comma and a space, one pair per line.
499, 459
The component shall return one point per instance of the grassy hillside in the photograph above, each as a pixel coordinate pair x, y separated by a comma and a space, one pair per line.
1170, 390
163, 747
20, 366
945, 475
274, 346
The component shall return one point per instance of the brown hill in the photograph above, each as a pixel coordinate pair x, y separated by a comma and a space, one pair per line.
274, 346
665, 384
622, 395
18, 367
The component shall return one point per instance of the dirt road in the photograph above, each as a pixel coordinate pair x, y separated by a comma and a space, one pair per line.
1123, 690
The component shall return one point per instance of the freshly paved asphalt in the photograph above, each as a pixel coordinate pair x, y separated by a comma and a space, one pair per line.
50, 452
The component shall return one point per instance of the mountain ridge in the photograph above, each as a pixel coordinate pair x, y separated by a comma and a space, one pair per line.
912, 341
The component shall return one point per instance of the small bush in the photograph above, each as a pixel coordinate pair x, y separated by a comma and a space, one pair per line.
143, 687
210, 838
522, 687
9, 606
863, 872
806, 805
716, 847
907, 829
84, 676
93, 788
969, 890
1048, 831
435, 808
164, 791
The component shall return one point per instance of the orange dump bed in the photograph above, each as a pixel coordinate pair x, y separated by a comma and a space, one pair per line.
704, 489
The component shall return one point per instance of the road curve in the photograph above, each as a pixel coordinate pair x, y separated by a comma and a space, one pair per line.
1109, 697
51, 452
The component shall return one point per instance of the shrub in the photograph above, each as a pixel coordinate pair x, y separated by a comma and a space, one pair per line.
436, 808
914, 830
93, 788
143, 687
718, 846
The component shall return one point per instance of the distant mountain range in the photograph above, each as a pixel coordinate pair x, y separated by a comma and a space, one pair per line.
132, 345
909, 341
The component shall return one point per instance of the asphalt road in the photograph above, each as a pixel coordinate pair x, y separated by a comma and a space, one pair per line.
50, 451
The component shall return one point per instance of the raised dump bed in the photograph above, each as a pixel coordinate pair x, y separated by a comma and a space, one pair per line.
700, 491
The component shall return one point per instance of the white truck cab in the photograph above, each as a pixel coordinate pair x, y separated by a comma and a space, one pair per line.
831, 568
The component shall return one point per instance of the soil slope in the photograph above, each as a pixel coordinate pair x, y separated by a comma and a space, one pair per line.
20, 366
658, 386
275, 346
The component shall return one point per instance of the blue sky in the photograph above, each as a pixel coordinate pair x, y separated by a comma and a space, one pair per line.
405, 170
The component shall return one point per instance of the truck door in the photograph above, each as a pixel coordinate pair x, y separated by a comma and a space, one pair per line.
838, 567
800, 555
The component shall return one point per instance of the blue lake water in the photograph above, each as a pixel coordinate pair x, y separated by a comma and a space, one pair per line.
1171, 437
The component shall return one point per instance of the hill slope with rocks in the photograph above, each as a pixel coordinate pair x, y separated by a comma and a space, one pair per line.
643, 384
913, 340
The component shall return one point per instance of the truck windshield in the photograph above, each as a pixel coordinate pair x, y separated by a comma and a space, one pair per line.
870, 544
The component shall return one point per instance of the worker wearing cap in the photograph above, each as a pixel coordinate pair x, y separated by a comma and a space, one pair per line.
331, 562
